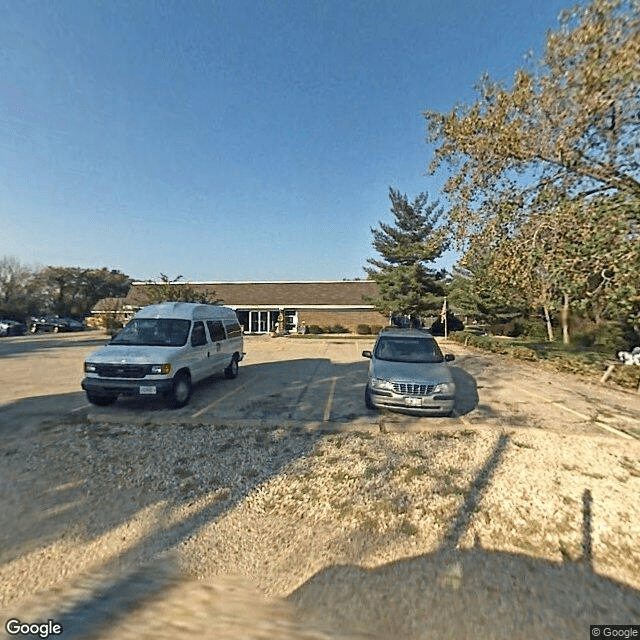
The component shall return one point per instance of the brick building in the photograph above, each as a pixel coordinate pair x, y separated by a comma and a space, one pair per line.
259, 304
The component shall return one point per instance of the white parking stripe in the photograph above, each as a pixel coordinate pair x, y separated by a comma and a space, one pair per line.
220, 399
84, 406
327, 408
599, 423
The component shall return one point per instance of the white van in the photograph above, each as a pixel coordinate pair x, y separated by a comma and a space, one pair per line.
163, 351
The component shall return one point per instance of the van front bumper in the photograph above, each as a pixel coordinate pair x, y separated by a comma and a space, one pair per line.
127, 387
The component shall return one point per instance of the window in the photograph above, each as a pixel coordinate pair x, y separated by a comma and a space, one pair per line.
234, 330
216, 330
198, 336
156, 332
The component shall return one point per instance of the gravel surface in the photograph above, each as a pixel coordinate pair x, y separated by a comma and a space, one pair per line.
476, 528
298, 513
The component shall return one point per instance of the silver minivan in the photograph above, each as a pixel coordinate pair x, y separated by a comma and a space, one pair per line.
408, 372
163, 351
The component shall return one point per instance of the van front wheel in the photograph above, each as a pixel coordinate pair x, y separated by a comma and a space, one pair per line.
232, 370
181, 391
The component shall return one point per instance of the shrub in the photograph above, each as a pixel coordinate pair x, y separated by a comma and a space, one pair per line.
376, 329
583, 339
336, 328
363, 330
315, 329
627, 376
534, 329
611, 337
523, 353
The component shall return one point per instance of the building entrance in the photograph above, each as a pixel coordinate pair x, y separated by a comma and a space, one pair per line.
257, 321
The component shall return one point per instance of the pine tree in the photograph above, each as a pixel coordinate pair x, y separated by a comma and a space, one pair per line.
407, 282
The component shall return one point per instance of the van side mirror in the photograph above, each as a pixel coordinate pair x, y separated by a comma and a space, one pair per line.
366, 354
449, 357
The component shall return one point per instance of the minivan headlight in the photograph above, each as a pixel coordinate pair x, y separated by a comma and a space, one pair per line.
445, 387
379, 383
162, 369
89, 367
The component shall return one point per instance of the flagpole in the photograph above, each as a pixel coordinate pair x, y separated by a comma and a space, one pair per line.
446, 328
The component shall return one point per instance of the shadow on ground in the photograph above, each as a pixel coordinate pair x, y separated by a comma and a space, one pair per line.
450, 593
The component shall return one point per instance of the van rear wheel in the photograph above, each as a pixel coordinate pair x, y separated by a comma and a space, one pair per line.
180, 391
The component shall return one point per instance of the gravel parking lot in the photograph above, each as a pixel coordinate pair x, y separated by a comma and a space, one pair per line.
277, 505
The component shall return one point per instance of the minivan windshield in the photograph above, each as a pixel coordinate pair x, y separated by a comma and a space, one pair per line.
154, 332
408, 350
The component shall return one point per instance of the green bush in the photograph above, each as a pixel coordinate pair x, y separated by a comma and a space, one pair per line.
337, 328
535, 329
363, 330
611, 336
583, 339
376, 329
315, 329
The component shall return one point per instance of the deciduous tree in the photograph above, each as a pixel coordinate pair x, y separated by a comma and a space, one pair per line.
572, 121
168, 290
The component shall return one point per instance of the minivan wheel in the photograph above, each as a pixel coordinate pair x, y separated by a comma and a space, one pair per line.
232, 370
181, 391
367, 398
100, 400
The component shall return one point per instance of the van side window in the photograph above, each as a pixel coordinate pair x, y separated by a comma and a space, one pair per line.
198, 336
234, 330
216, 330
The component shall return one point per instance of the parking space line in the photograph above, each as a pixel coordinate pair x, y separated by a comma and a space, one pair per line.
220, 399
599, 423
327, 408
84, 406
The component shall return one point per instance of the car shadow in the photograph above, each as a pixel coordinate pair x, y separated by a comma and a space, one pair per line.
466, 391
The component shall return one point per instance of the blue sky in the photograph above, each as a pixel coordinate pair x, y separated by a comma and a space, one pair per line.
232, 139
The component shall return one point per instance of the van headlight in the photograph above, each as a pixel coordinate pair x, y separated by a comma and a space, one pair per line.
89, 367
161, 369
445, 387
380, 383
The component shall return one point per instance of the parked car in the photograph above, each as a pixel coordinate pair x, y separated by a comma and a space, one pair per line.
408, 372
71, 324
55, 324
163, 350
12, 328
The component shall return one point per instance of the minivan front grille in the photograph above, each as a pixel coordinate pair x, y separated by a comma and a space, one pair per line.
410, 389
122, 370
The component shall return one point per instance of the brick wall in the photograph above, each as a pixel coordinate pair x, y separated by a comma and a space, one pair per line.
349, 318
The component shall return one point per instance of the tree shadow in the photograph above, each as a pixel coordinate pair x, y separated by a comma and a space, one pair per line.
28, 345
175, 460
468, 593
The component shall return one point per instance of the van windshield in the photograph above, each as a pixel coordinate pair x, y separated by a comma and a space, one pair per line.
154, 332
